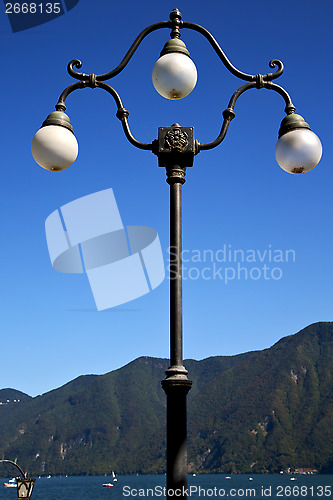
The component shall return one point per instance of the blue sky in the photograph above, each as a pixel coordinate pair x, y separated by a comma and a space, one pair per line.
235, 197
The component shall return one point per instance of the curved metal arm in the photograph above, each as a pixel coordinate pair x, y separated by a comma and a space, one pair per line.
175, 23
126, 59
229, 113
290, 108
19, 468
122, 113
60, 106
244, 76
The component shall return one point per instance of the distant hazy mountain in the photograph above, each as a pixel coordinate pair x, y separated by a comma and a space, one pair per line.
264, 410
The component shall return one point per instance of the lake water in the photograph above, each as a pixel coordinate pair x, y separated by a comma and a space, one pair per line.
214, 486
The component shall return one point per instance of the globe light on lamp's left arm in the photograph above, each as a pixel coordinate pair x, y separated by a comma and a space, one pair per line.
54, 146
298, 149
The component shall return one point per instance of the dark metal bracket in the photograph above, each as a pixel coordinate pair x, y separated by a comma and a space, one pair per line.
176, 147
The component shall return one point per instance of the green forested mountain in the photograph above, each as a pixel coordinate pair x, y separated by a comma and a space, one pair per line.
9, 396
272, 411
264, 410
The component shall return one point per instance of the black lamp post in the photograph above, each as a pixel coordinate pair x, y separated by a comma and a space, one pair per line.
298, 150
24, 484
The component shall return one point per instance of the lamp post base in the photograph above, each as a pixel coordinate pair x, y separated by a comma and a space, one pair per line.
176, 387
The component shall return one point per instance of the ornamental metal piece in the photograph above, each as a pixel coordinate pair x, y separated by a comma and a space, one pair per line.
176, 139
175, 45
175, 146
58, 118
292, 122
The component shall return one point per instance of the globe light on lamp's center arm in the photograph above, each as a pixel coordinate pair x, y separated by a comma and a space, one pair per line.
174, 75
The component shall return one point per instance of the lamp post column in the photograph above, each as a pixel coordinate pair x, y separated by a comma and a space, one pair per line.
176, 385
176, 152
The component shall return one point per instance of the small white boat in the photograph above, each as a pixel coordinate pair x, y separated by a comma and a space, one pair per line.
11, 483
114, 479
107, 485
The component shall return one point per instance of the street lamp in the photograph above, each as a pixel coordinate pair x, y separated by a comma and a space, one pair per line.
24, 484
298, 150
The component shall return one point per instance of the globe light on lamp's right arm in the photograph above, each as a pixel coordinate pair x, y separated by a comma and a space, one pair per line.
54, 146
298, 149
174, 74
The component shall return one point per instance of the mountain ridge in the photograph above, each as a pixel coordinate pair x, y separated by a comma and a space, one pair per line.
252, 412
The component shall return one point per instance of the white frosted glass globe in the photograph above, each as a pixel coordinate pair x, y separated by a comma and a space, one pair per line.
298, 151
54, 147
174, 75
